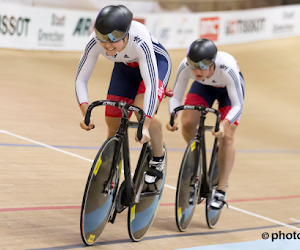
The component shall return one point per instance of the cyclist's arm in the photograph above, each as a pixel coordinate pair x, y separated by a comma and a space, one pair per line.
84, 71
235, 94
149, 73
184, 73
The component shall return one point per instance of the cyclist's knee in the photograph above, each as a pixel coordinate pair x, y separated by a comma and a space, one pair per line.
188, 129
227, 140
112, 125
188, 125
155, 122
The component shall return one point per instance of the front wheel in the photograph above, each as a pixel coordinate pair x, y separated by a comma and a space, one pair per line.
97, 204
188, 185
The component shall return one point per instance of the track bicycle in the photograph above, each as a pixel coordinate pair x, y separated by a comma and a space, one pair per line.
103, 199
195, 183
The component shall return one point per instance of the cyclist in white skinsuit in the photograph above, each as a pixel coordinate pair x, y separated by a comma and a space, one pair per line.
140, 75
217, 77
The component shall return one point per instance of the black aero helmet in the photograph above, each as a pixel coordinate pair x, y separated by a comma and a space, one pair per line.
112, 23
202, 54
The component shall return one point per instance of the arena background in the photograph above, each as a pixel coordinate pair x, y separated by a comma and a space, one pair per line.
45, 157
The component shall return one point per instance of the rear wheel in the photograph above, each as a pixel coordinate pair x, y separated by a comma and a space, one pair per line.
97, 205
188, 185
212, 215
141, 215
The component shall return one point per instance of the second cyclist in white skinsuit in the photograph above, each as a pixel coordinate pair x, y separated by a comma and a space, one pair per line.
217, 77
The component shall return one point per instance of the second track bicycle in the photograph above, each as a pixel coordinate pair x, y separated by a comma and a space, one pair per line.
196, 181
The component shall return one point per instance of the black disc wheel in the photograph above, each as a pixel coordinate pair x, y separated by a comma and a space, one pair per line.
188, 186
141, 214
97, 203
212, 215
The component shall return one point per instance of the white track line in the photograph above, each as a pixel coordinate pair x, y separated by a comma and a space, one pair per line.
86, 159
295, 220
45, 145
264, 218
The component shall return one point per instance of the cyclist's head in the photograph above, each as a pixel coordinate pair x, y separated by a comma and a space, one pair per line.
112, 23
201, 54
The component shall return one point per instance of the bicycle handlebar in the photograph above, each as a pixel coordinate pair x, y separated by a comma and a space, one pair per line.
121, 105
198, 108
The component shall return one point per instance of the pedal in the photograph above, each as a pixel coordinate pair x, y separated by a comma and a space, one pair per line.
150, 191
155, 172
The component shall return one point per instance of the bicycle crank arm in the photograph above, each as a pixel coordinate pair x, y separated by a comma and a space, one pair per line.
149, 194
138, 194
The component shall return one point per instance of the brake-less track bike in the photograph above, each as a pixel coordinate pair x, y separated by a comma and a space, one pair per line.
103, 199
195, 183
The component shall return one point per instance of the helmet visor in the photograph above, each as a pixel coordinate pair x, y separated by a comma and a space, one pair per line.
204, 64
112, 37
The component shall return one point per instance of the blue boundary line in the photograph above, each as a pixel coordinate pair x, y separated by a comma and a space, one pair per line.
177, 235
290, 244
246, 151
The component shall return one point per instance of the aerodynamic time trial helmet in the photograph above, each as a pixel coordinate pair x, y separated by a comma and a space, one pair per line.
202, 54
112, 23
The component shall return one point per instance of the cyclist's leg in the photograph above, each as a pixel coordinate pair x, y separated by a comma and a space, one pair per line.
226, 156
156, 137
199, 94
113, 124
164, 70
155, 129
189, 121
226, 153
123, 86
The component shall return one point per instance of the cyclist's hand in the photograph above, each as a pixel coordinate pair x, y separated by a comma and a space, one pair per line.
175, 125
83, 126
221, 133
145, 138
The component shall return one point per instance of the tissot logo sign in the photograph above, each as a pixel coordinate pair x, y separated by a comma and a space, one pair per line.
244, 26
209, 28
14, 25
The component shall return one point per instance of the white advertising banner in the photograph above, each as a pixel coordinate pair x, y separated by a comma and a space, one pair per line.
285, 22
245, 26
15, 26
173, 31
23, 27
35, 28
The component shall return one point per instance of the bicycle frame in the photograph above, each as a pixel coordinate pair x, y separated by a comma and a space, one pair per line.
122, 135
200, 136
133, 193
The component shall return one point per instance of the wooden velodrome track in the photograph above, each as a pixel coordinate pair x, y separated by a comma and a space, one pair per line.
45, 157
